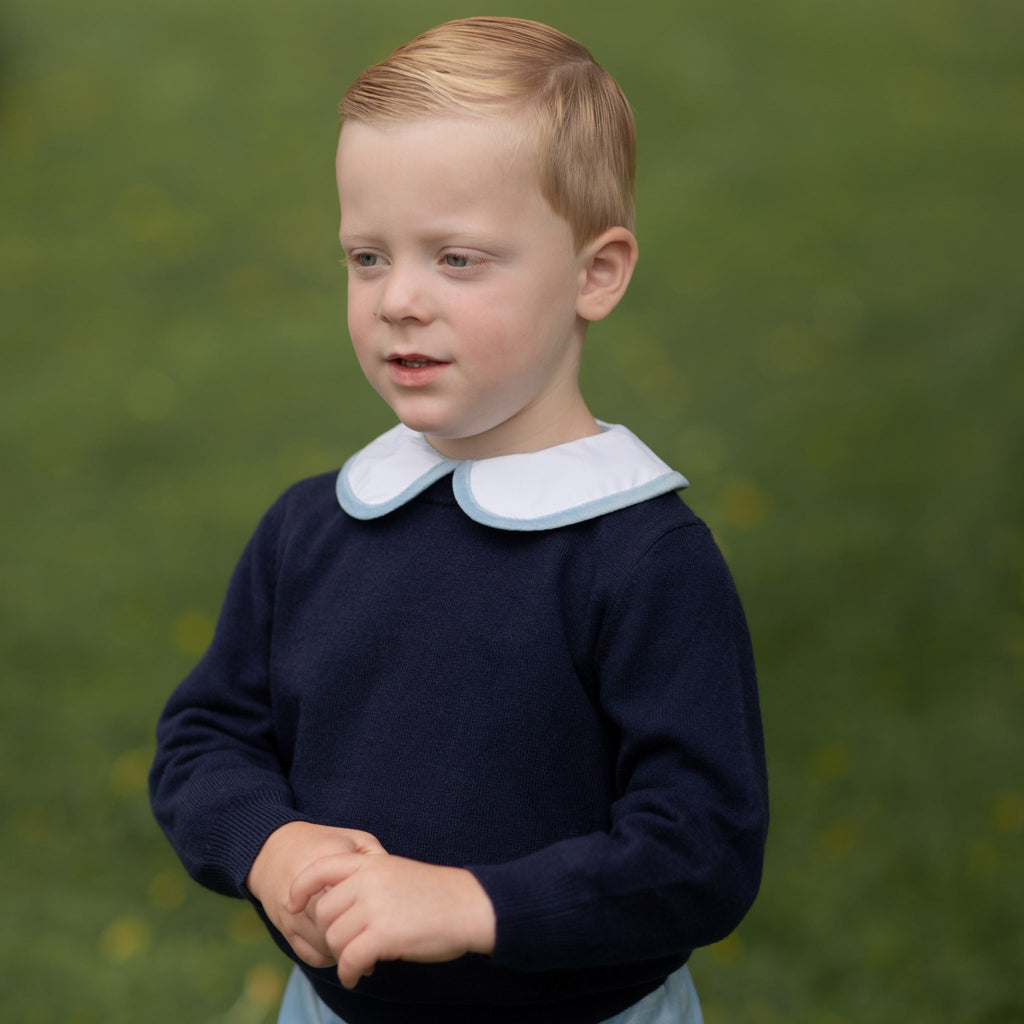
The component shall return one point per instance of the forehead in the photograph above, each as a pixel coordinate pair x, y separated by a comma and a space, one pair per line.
506, 133
484, 139
432, 163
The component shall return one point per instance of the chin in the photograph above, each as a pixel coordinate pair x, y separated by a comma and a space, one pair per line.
424, 423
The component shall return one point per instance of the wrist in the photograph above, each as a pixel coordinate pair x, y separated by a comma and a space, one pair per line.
481, 921
271, 854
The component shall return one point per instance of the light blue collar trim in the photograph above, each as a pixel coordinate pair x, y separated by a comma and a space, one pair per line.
558, 486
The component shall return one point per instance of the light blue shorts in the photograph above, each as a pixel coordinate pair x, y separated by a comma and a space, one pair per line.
674, 1003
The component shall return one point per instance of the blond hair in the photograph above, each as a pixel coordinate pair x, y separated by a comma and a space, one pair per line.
572, 110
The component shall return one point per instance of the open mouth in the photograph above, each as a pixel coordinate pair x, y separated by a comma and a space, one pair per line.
415, 362
415, 370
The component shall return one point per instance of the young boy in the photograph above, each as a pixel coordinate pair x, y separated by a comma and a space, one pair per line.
478, 732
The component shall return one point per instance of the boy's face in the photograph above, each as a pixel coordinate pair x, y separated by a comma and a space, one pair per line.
463, 286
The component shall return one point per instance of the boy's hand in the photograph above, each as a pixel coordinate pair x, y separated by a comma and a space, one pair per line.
389, 908
288, 853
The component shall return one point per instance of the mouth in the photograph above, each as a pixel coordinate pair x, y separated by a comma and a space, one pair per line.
414, 369
415, 362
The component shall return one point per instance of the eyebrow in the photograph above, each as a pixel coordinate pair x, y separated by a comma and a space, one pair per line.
456, 235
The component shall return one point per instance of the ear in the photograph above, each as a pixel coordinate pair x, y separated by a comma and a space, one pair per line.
607, 267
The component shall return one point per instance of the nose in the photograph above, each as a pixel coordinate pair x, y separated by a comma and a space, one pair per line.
405, 296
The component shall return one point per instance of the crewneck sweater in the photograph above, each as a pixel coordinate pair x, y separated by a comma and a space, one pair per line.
568, 712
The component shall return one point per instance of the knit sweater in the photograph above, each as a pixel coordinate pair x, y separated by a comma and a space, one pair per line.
569, 712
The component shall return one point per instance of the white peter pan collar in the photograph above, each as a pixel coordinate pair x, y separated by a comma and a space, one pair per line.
540, 490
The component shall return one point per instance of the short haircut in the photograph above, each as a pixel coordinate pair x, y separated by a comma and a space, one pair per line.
573, 111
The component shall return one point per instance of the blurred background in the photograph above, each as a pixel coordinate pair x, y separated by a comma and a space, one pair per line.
825, 335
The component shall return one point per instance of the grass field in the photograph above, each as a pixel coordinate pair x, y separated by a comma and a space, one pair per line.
826, 335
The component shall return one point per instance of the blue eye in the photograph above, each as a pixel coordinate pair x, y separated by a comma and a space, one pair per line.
365, 259
457, 260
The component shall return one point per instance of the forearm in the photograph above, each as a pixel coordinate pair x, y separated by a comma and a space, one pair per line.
217, 814
217, 786
650, 889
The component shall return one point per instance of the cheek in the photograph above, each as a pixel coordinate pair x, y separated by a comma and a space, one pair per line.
360, 314
362, 348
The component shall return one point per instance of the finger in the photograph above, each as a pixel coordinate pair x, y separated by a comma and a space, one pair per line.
331, 909
309, 942
321, 874
357, 960
366, 843
310, 954
311, 904
343, 923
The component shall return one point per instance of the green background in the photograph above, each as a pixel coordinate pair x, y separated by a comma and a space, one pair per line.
824, 334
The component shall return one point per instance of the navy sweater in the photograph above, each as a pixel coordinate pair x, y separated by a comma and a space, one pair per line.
570, 713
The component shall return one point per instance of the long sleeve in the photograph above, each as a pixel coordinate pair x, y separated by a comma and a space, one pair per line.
680, 864
218, 787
